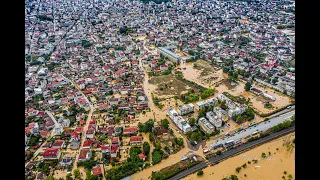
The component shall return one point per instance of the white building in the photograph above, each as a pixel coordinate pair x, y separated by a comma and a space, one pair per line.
179, 121
206, 103
213, 119
269, 96
205, 125
182, 110
234, 112
166, 52
37, 91
221, 113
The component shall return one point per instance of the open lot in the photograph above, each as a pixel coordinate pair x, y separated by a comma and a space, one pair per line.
201, 72
170, 85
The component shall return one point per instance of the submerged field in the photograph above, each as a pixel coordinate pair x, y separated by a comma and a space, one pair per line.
282, 158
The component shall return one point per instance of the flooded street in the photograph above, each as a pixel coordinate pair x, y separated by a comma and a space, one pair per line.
270, 168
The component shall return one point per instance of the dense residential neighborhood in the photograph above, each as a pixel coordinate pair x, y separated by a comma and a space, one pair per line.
90, 106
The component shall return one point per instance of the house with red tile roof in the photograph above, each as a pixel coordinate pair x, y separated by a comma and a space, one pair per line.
130, 130
78, 130
135, 140
142, 156
106, 148
51, 154
90, 133
44, 134
75, 136
58, 144
84, 155
97, 170
114, 150
88, 143
115, 140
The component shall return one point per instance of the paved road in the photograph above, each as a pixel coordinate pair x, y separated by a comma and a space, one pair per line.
282, 112
262, 126
272, 116
189, 171
239, 149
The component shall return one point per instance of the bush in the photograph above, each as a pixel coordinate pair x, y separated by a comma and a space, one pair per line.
244, 165
200, 173
238, 169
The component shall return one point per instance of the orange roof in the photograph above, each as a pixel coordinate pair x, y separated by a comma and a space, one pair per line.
96, 170
27, 130
142, 156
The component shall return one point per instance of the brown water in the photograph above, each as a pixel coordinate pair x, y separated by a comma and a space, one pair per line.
266, 169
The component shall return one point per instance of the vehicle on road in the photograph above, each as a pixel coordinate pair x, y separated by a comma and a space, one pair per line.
288, 107
254, 133
252, 124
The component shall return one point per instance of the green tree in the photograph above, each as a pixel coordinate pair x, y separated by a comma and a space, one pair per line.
76, 173
200, 173
150, 137
192, 121
167, 149
223, 105
179, 141
51, 178
165, 123
234, 177
285, 92
68, 177
45, 168
238, 169
146, 148
247, 86
239, 118
244, 165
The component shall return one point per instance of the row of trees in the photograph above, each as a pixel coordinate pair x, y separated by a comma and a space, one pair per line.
283, 125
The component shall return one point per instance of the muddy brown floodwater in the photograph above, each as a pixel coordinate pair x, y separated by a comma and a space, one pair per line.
271, 168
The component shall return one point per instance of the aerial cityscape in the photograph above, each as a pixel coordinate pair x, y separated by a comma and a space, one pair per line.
159, 89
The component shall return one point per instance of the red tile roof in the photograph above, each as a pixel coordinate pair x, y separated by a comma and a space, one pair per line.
135, 138
142, 156
50, 152
97, 170
83, 153
88, 143
114, 148
105, 147
58, 142
130, 129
